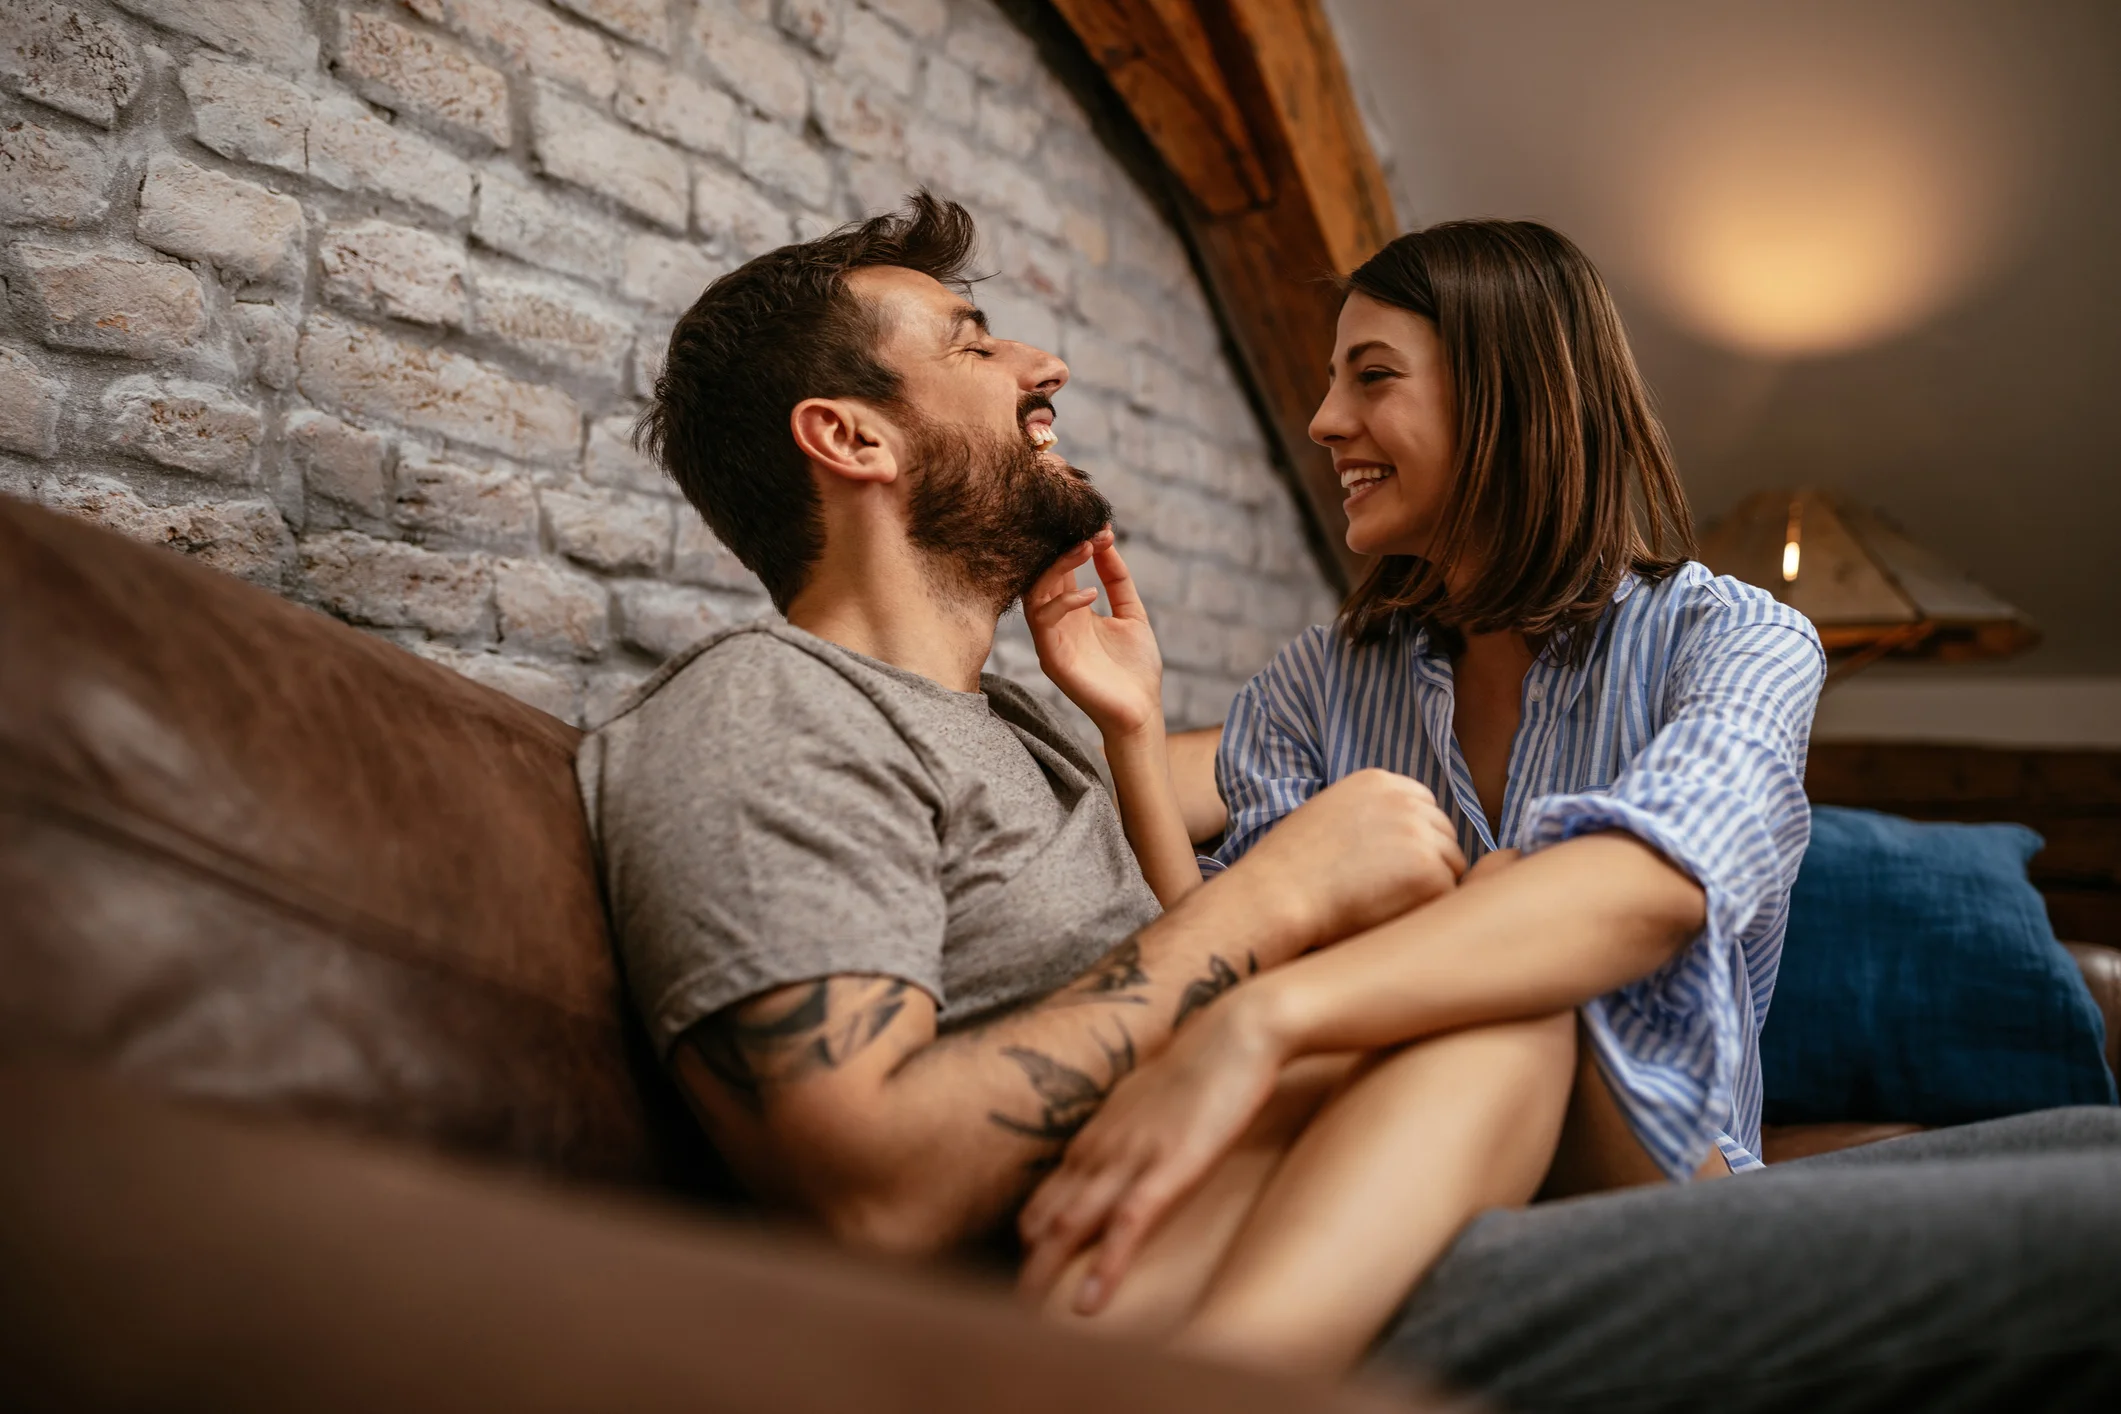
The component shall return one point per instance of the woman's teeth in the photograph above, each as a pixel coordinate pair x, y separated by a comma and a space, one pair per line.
1358, 476
1042, 435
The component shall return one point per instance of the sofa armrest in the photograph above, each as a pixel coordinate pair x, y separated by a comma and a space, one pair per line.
2101, 966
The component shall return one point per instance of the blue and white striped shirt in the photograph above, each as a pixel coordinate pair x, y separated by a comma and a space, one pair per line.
1686, 726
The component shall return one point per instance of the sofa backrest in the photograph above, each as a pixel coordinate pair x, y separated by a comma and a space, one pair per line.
251, 855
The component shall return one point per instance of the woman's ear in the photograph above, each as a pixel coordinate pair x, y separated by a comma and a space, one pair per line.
845, 438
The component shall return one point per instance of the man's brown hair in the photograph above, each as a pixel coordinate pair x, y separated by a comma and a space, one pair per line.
776, 330
1564, 482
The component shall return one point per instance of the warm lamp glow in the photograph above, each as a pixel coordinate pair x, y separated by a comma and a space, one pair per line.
1790, 551
1789, 562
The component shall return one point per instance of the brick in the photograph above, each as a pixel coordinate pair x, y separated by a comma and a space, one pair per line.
862, 120
111, 302
29, 406
949, 93
577, 145
988, 45
876, 186
378, 267
442, 505
943, 159
532, 38
247, 114
658, 100
758, 69
699, 558
612, 461
1009, 127
353, 149
51, 179
245, 538
552, 324
642, 21
667, 275
390, 585
545, 608
237, 226
924, 18
548, 689
427, 76
60, 57
530, 224
190, 426
1024, 319
662, 619
1085, 234
1095, 361
814, 24
782, 161
874, 50
268, 334
1040, 266
736, 215
339, 464
275, 32
608, 530
369, 373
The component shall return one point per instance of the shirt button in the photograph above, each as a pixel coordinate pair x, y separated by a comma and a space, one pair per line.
1538, 692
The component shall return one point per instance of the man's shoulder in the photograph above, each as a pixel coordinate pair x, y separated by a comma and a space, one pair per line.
757, 672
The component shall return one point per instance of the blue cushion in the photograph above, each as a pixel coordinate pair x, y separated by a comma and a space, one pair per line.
1922, 982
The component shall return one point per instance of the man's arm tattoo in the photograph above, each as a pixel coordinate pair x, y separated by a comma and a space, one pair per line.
1202, 990
1067, 1096
1112, 981
775, 1041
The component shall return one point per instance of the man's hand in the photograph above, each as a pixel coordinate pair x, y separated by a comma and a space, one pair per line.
1108, 666
1364, 850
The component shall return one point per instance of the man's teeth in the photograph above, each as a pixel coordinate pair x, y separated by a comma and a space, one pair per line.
1356, 476
1042, 435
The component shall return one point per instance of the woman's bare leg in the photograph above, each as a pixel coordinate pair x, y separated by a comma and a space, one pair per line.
1174, 1265
1377, 1186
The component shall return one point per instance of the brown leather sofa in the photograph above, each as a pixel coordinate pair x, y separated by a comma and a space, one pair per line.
252, 857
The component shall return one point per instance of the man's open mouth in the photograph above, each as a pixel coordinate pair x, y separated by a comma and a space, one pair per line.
1041, 434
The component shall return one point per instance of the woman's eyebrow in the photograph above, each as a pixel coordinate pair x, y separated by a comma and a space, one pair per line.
1356, 351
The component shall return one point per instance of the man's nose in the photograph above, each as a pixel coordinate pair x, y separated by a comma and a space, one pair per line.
1042, 372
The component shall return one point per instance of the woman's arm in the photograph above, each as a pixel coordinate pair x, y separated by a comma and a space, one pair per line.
1109, 666
1557, 929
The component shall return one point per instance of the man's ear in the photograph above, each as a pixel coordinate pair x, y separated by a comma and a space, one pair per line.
845, 438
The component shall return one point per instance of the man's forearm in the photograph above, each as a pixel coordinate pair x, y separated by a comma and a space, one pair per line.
1001, 1099
1565, 925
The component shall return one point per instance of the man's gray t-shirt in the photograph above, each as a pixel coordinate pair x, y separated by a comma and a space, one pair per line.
774, 808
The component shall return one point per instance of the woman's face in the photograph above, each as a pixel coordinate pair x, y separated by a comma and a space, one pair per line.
1390, 421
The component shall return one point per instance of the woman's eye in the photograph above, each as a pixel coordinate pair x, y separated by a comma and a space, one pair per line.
1374, 375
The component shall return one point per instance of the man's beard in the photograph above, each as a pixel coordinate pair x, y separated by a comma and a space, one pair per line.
991, 513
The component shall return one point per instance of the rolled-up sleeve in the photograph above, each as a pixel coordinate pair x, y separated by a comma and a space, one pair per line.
1719, 791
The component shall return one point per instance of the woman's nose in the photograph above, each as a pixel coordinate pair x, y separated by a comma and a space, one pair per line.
1332, 422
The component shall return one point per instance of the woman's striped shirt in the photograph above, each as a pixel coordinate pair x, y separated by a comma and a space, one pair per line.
1686, 726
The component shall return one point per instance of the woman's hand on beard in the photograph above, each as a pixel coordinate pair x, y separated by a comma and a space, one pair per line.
1108, 665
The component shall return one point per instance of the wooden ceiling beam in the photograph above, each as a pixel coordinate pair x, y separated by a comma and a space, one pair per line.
1220, 84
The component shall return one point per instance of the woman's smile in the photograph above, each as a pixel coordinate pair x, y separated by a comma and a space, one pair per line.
1360, 478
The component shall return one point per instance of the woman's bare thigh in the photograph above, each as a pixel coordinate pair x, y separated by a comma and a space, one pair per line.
1175, 1265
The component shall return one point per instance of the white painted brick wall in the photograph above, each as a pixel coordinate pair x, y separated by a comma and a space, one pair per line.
357, 299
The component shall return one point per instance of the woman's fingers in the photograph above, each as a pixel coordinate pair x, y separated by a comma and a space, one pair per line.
1131, 1222
1118, 581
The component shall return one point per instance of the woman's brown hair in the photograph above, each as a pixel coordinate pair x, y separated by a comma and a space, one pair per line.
1564, 481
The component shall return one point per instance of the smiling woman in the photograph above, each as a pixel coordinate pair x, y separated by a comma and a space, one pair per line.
1611, 734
